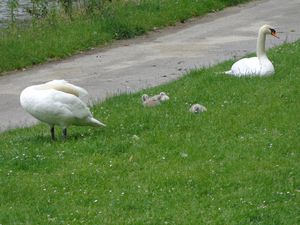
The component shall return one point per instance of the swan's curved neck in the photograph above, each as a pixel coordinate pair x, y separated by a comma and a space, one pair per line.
261, 44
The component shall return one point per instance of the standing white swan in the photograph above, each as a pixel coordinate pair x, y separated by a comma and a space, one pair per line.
58, 103
256, 66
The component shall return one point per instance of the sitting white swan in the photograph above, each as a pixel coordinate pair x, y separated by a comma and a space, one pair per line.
256, 66
58, 103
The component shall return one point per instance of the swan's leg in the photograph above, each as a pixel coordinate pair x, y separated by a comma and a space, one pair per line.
65, 133
52, 132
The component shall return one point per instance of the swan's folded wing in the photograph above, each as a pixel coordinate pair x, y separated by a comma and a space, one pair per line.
56, 107
246, 66
70, 105
66, 87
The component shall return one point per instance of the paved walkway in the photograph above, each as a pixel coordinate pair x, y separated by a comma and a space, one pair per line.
157, 57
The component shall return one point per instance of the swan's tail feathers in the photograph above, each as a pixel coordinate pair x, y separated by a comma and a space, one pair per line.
96, 123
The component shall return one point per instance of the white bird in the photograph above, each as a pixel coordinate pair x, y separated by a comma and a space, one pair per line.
197, 108
256, 66
58, 103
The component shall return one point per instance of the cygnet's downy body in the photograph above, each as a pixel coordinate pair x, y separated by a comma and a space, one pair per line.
197, 108
154, 100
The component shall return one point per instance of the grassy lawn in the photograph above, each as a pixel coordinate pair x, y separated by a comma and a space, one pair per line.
237, 163
57, 36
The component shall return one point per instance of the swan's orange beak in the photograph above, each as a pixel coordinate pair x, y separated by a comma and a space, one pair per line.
274, 34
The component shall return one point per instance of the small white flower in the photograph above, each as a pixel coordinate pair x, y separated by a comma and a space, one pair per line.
135, 137
183, 154
270, 145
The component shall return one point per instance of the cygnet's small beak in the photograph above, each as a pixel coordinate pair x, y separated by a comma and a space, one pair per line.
275, 35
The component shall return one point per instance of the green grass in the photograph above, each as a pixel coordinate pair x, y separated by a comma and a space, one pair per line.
58, 37
237, 163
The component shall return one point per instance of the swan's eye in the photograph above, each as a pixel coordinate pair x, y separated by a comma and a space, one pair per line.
272, 31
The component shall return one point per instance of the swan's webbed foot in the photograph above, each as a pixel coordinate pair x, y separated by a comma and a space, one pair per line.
52, 133
65, 133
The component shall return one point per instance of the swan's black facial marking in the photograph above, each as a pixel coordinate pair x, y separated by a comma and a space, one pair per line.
272, 31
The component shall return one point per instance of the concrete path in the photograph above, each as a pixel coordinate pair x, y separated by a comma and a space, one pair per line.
158, 57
